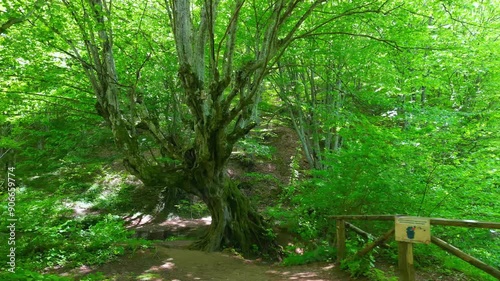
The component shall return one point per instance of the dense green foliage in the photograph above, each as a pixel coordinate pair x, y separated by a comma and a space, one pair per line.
395, 106
56, 183
418, 129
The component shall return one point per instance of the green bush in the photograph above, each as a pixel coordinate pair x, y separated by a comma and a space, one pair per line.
48, 235
322, 253
27, 275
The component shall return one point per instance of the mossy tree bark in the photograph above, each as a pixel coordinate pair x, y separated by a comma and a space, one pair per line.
235, 223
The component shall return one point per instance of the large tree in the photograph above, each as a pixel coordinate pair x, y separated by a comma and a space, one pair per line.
178, 82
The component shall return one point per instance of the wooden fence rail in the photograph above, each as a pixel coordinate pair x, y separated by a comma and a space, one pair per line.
405, 249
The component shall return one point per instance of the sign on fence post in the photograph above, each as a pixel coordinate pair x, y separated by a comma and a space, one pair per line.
413, 230
409, 230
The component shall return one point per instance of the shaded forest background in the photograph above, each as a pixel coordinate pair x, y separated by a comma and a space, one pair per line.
298, 110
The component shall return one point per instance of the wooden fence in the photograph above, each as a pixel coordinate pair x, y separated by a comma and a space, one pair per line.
405, 249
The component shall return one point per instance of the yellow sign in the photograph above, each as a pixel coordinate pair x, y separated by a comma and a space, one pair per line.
413, 229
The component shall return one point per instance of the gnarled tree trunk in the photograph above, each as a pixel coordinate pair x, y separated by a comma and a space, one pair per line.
221, 78
235, 223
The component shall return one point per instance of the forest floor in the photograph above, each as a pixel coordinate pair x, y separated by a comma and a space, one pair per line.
173, 261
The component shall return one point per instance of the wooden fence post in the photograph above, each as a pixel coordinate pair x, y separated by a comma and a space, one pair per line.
341, 250
405, 261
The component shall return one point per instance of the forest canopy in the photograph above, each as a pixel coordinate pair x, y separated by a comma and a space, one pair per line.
395, 104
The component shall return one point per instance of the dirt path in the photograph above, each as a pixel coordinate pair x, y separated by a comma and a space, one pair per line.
172, 261
169, 262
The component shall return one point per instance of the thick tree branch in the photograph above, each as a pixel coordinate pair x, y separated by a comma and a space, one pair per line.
210, 10
230, 34
10, 22
16, 20
183, 32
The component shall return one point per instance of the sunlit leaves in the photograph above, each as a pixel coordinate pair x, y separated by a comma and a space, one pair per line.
431, 102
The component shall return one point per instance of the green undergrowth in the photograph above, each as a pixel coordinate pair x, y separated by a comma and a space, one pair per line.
59, 223
29, 275
49, 235
71, 197
365, 266
321, 253
431, 258
304, 210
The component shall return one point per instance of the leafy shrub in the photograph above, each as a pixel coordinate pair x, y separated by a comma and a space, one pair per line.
48, 235
375, 274
251, 147
358, 266
27, 275
322, 253
98, 276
